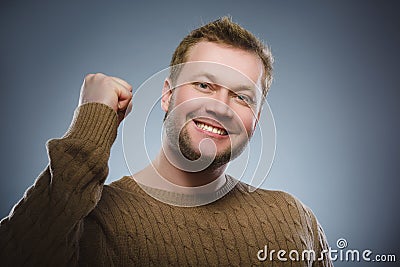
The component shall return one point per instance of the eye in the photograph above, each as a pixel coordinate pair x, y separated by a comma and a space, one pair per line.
202, 86
244, 99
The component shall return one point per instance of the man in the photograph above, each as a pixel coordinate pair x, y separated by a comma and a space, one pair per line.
181, 209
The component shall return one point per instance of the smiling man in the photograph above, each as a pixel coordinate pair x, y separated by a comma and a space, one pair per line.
182, 209
212, 108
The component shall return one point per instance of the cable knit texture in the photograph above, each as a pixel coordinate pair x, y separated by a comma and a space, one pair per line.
70, 218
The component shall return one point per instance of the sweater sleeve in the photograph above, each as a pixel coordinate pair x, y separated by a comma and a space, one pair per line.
321, 246
44, 227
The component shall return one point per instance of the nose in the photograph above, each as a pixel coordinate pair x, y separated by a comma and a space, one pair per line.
219, 104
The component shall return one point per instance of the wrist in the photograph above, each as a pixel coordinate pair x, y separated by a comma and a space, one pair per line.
95, 122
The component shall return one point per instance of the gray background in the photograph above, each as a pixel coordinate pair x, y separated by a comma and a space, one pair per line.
335, 95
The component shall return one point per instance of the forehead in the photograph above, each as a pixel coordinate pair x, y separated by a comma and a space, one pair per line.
245, 62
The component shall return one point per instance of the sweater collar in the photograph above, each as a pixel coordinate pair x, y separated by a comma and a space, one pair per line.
197, 198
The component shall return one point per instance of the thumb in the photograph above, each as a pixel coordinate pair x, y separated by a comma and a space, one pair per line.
123, 112
124, 98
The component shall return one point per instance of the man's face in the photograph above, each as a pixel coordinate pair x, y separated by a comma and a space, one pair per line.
216, 98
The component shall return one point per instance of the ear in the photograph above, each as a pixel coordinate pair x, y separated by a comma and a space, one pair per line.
166, 95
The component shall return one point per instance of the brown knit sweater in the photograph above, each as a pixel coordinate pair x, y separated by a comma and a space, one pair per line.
69, 217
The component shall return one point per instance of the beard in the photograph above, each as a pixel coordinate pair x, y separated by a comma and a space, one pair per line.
181, 142
189, 152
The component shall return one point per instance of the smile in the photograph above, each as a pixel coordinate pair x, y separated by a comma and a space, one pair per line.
211, 129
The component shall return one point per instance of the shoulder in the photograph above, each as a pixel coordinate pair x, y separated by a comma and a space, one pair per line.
296, 211
280, 204
121, 193
278, 198
118, 209
117, 198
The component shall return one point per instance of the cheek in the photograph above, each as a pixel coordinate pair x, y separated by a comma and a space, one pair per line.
188, 100
180, 98
183, 107
247, 121
183, 93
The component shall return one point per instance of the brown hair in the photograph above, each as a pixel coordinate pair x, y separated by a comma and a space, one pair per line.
224, 31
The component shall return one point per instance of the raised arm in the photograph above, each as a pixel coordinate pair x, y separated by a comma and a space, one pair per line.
44, 228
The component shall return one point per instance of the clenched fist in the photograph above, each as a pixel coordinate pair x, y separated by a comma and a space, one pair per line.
112, 91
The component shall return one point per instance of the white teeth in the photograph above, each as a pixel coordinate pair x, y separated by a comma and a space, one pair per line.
209, 128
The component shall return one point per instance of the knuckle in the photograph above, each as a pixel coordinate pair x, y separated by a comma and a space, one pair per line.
107, 79
92, 76
97, 76
89, 76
